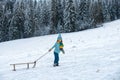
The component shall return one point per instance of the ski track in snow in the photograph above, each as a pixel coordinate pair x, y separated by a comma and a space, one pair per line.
89, 55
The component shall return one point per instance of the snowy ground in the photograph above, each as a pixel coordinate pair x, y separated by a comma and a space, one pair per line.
90, 55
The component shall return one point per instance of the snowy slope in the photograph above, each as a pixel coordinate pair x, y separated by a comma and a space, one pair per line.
90, 55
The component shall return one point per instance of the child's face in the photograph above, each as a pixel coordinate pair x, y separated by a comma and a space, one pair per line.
58, 41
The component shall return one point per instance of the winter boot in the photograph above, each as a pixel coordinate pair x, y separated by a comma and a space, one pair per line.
56, 64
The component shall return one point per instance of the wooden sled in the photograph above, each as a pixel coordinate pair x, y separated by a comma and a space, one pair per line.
28, 65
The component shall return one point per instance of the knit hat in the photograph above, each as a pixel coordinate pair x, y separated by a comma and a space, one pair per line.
59, 37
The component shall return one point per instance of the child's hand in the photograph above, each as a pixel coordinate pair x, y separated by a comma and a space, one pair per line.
49, 50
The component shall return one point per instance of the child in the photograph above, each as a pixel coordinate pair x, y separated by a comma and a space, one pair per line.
58, 46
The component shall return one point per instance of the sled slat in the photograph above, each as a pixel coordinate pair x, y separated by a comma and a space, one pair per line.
28, 63
22, 63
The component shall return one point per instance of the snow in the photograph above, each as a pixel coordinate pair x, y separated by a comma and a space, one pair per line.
92, 54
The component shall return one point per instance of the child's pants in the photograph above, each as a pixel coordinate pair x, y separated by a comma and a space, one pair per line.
56, 58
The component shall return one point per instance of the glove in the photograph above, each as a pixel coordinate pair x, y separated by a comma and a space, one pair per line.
50, 50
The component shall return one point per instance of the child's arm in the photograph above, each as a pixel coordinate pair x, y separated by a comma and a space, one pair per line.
52, 47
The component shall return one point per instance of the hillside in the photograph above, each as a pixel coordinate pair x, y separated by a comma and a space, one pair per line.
92, 54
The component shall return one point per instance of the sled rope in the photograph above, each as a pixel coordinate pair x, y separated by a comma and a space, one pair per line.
41, 57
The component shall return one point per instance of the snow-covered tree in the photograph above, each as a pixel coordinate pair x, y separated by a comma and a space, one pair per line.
57, 23
17, 21
97, 13
30, 19
1, 20
83, 15
54, 18
6, 19
60, 10
45, 18
106, 12
113, 10
70, 17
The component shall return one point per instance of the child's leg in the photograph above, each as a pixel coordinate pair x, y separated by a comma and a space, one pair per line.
56, 60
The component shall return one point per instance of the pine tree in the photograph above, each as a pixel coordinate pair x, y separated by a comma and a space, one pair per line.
118, 9
97, 13
57, 23
106, 12
45, 18
38, 18
1, 20
70, 17
113, 10
45, 14
30, 20
60, 24
84, 15
6, 19
54, 18
17, 22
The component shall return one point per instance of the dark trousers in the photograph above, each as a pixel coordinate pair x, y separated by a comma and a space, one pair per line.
56, 58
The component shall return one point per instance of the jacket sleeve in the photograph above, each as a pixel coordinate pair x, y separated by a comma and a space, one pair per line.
53, 46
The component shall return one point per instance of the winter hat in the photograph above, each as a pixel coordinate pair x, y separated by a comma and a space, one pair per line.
59, 37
